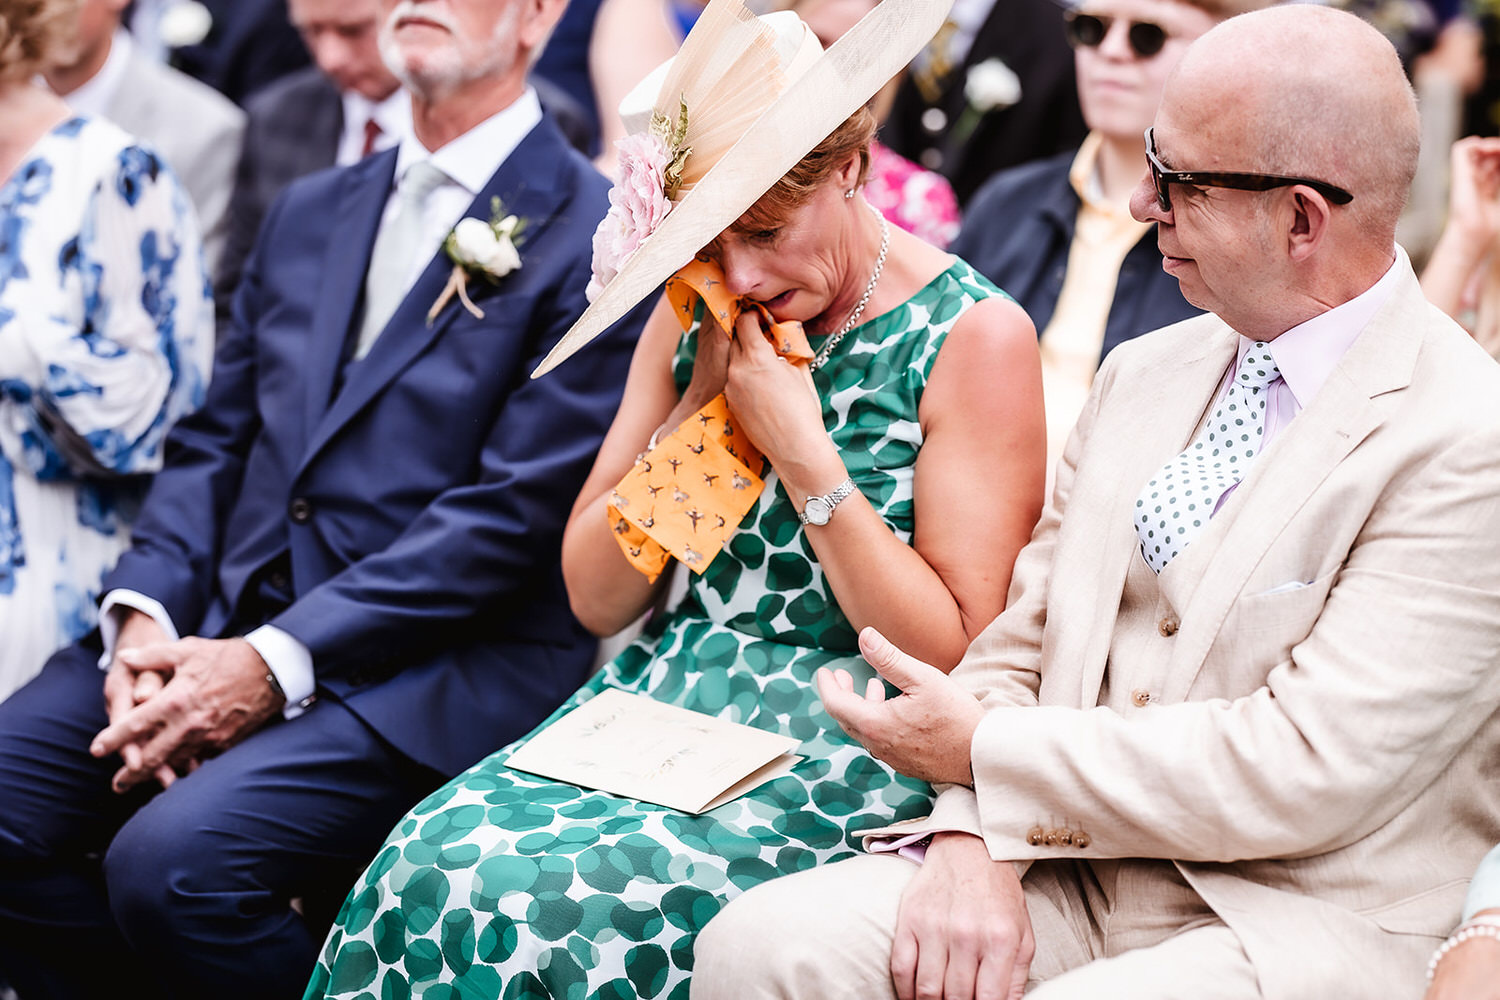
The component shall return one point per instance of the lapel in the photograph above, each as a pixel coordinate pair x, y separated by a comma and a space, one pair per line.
527, 183
366, 187
1164, 411
1294, 466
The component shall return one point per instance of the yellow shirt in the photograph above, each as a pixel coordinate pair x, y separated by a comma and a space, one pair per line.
1070, 344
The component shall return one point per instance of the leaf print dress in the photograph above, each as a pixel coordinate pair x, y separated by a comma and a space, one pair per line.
106, 337
504, 884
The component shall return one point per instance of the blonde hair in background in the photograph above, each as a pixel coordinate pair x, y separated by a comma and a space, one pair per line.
29, 29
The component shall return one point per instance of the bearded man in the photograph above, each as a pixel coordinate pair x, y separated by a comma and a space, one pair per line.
344, 587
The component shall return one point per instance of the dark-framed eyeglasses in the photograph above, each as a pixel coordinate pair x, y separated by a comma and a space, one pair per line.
1085, 31
1162, 179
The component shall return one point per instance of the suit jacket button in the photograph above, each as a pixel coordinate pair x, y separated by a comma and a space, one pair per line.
1034, 836
1140, 697
1051, 838
300, 510
934, 120
1065, 836
1167, 626
1081, 840
932, 159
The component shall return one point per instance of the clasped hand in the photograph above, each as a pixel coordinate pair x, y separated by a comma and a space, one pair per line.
172, 705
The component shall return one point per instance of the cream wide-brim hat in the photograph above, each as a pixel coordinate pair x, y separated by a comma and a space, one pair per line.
759, 95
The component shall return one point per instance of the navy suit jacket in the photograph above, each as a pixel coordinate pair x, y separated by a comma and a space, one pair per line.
1017, 232
1027, 35
421, 505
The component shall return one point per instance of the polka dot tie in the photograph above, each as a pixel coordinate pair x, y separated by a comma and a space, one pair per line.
1175, 506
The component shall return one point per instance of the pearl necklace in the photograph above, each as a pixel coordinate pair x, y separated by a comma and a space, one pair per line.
821, 357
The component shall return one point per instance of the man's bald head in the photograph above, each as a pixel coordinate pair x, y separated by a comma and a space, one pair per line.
1311, 92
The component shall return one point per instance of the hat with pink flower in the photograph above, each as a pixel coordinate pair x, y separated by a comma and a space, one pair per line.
715, 127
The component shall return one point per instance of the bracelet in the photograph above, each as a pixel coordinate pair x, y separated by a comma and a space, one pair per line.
1476, 927
651, 444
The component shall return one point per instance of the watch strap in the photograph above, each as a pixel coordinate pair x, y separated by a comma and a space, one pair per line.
831, 499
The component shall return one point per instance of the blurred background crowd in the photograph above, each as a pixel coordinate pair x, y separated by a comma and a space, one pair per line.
171, 126
1014, 139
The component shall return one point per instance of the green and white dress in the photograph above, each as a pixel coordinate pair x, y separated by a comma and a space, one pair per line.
504, 884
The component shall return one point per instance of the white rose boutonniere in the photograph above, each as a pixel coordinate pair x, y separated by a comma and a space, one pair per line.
479, 249
989, 86
185, 23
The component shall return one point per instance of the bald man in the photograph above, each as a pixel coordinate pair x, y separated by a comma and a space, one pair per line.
1229, 738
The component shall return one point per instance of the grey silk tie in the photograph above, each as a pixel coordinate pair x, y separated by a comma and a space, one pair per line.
1176, 504
396, 243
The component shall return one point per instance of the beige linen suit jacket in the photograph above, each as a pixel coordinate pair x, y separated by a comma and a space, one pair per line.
1322, 761
196, 130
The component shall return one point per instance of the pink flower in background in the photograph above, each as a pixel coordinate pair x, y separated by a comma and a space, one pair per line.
637, 204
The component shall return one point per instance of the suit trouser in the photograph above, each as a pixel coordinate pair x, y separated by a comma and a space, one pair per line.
1122, 930
184, 892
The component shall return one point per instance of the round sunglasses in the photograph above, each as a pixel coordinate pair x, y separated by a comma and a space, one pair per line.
1089, 30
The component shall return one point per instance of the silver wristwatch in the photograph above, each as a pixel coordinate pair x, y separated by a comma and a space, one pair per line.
817, 510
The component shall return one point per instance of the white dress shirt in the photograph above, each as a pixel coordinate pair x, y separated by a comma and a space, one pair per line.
97, 93
468, 161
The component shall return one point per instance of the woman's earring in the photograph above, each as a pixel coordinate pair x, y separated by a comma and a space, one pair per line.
849, 194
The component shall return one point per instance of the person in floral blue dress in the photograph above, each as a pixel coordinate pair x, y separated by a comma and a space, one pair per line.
106, 337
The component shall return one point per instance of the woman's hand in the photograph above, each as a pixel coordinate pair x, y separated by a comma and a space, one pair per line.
1450, 278
1474, 196
1468, 972
775, 405
710, 369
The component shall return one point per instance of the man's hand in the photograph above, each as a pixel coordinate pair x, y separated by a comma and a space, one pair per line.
925, 732
1469, 972
126, 687
962, 930
216, 696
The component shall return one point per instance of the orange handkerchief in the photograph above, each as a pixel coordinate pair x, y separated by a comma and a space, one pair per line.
684, 497
703, 279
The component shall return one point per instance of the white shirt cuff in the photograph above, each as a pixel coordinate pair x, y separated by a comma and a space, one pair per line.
109, 624
290, 662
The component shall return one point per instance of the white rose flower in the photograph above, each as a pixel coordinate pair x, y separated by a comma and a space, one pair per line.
186, 23
473, 241
503, 258
991, 85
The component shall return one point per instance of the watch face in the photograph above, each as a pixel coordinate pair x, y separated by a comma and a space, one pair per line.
817, 510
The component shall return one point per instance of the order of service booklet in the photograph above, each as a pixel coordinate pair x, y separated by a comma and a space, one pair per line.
631, 745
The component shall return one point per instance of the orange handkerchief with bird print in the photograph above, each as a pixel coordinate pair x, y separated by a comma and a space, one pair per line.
683, 498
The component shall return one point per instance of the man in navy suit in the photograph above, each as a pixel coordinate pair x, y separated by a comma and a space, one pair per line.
345, 585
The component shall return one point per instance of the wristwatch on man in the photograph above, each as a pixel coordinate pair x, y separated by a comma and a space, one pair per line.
817, 510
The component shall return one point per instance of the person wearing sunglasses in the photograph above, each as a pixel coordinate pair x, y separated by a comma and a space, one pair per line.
1057, 233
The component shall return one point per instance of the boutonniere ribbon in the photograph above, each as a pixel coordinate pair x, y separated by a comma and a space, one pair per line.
479, 250
684, 497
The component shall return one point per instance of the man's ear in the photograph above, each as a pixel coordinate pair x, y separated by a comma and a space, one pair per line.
1311, 217
538, 18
